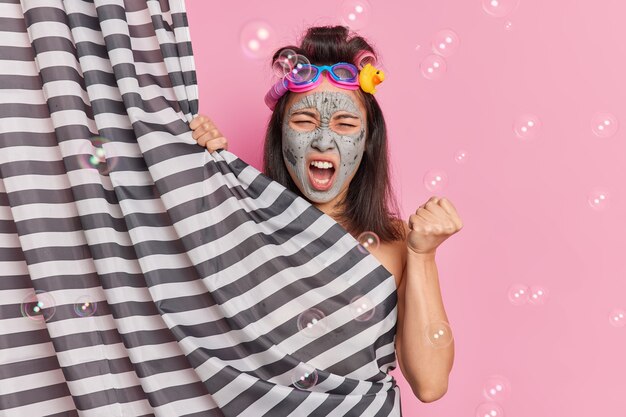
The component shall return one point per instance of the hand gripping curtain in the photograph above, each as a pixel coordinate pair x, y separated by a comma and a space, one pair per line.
141, 275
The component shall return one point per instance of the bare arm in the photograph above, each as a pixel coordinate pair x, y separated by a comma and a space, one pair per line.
419, 303
425, 361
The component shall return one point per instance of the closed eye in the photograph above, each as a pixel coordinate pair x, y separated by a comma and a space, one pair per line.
346, 121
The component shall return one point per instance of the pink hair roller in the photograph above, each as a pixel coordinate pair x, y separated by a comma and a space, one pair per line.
276, 92
363, 58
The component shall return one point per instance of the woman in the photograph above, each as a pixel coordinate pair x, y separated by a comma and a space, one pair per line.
327, 142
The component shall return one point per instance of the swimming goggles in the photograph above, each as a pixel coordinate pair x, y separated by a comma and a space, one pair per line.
306, 77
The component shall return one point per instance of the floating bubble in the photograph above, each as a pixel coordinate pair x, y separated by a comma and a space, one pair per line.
604, 125
598, 199
38, 306
508, 25
518, 294
85, 306
460, 156
439, 334
355, 13
446, 42
369, 242
499, 8
617, 317
304, 376
362, 308
301, 71
285, 62
489, 409
538, 294
435, 180
94, 155
497, 388
256, 39
310, 322
526, 126
433, 67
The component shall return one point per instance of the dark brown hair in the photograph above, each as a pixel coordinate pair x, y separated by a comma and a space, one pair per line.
366, 204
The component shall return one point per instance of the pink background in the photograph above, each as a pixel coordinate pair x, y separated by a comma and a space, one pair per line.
524, 201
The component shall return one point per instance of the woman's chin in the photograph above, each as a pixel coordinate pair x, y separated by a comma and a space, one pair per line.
318, 197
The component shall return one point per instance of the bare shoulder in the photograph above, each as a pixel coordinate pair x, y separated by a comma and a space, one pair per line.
399, 246
392, 254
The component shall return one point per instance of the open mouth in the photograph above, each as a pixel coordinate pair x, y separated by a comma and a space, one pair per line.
321, 177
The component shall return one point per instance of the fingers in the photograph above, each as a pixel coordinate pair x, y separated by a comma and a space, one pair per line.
207, 134
202, 124
439, 206
204, 134
215, 144
197, 121
432, 206
440, 210
206, 129
451, 210
419, 223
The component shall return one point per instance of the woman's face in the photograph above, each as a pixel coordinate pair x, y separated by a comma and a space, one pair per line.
327, 123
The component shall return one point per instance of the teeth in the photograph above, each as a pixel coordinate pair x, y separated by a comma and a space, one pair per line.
321, 181
322, 165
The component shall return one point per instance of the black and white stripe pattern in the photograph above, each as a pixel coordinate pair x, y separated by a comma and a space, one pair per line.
200, 266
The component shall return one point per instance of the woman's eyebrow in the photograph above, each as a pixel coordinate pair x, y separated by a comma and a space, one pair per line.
306, 113
345, 116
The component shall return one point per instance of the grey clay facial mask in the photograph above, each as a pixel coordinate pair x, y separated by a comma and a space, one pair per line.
349, 148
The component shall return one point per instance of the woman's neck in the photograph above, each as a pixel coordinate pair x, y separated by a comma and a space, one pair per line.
332, 207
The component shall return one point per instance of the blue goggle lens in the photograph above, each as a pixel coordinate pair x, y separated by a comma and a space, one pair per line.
307, 72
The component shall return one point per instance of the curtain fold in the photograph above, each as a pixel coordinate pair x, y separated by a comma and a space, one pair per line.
141, 275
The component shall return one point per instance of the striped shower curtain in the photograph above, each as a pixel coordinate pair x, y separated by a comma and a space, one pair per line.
141, 275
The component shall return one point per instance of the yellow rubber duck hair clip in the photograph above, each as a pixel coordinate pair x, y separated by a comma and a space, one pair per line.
369, 75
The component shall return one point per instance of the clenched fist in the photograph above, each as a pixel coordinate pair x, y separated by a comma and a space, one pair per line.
433, 222
207, 134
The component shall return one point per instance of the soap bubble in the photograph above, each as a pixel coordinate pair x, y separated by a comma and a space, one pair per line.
84, 306
598, 199
499, 8
301, 71
355, 13
460, 156
433, 67
497, 388
538, 294
310, 322
489, 409
304, 376
285, 62
38, 306
508, 25
617, 317
518, 294
256, 39
604, 124
369, 242
362, 308
439, 334
446, 42
94, 155
435, 180
527, 126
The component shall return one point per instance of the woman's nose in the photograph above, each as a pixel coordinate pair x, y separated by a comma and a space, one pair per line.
324, 141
